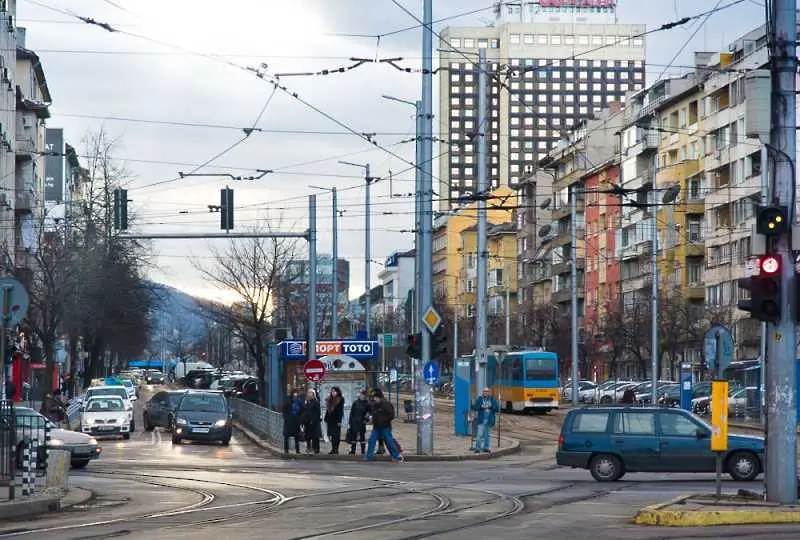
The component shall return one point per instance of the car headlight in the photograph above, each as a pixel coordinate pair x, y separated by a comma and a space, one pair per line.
222, 423
56, 442
181, 421
93, 441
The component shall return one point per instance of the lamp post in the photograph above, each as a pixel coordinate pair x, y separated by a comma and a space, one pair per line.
335, 268
367, 255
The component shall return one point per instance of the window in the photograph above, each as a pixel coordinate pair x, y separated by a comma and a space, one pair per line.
513, 39
635, 423
537, 369
590, 423
455, 42
677, 425
469, 43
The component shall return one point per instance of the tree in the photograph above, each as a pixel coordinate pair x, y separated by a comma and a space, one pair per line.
250, 269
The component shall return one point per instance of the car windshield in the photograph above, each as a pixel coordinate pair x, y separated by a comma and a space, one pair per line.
203, 403
538, 369
127, 382
174, 399
105, 404
119, 392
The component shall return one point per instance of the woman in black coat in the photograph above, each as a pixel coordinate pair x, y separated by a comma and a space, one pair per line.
312, 420
357, 425
334, 414
292, 421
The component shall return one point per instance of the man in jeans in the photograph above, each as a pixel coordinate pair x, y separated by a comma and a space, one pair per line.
485, 408
382, 416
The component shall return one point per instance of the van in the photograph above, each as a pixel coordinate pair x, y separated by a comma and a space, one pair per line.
612, 441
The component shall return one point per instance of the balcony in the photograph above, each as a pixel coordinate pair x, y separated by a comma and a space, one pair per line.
23, 201
648, 141
638, 283
717, 158
566, 266
637, 250
695, 291
565, 210
565, 295
25, 147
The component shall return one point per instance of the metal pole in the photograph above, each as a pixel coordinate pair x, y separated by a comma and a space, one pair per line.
573, 208
311, 342
762, 415
480, 303
508, 311
455, 339
3, 324
417, 312
654, 292
367, 255
335, 270
781, 473
425, 396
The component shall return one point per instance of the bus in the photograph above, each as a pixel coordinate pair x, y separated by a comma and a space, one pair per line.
526, 381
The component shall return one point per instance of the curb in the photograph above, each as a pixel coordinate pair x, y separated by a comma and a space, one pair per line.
75, 497
25, 508
657, 516
275, 451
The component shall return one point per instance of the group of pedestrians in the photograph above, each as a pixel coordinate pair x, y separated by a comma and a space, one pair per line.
303, 421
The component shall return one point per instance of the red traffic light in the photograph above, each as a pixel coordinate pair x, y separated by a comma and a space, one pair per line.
769, 265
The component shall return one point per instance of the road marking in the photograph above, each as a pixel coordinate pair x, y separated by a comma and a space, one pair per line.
158, 435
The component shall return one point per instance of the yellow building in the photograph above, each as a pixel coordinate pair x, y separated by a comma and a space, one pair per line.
448, 248
681, 223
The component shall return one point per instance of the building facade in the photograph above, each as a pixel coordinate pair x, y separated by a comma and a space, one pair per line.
550, 65
397, 279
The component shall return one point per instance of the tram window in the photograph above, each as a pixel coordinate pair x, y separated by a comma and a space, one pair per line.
538, 369
516, 369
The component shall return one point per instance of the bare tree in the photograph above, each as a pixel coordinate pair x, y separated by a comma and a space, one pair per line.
250, 269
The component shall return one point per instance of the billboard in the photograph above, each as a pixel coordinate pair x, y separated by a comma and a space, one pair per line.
54, 165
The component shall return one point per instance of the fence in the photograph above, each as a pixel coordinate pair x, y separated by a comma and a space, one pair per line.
8, 444
24, 438
264, 422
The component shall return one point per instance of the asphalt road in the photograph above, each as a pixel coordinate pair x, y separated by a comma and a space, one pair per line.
146, 488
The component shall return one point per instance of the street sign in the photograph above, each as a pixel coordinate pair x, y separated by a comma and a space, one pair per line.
718, 348
430, 373
388, 340
314, 370
18, 300
392, 375
432, 319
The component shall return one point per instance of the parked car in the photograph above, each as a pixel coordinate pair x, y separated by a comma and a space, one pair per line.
31, 425
586, 391
106, 416
613, 441
613, 392
737, 402
157, 411
202, 416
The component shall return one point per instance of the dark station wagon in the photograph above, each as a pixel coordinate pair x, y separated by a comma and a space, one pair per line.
612, 441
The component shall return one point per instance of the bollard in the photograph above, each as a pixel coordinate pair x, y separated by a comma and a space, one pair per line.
26, 468
34, 464
47, 439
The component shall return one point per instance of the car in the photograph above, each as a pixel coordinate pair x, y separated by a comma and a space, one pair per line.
30, 424
154, 377
118, 390
106, 416
202, 416
586, 391
130, 387
157, 410
613, 440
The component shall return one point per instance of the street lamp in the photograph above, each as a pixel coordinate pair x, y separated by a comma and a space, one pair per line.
335, 269
418, 308
367, 256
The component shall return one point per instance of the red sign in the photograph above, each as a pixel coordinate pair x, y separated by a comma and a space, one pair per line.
314, 370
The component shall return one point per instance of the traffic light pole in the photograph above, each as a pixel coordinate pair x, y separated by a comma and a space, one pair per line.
781, 450
480, 301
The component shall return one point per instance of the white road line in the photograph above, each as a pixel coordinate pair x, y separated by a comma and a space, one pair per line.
158, 435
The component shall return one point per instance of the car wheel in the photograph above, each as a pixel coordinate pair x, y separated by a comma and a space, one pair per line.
126, 436
176, 440
225, 442
606, 468
743, 466
605, 399
80, 464
133, 426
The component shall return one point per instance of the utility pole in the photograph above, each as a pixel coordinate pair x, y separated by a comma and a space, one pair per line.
781, 473
425, 394
762, 413
368, 256
335, 270
654, 288
311, 342
573, 226
480, 303
417, 313
508, 307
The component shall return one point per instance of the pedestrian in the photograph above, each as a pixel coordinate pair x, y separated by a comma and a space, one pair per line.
52, 408
381, 445
11, 389
292, 421
334, 414
628, 397
485, 407
382, 416
312, 420
357, 423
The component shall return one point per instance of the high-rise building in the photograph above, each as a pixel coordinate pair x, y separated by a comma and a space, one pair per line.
551, 63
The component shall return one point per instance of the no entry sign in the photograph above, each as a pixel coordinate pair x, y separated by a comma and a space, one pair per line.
314, 370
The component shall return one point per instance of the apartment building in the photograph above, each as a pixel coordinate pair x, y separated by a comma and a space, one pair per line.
8, 107
551, 64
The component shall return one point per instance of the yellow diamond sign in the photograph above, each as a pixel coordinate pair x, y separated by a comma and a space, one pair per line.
432, 319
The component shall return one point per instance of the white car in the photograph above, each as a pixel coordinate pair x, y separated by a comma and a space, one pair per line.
31, 425
131, 389
119, 391
106, 416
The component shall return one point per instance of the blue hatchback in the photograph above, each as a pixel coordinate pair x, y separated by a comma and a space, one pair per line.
612, 441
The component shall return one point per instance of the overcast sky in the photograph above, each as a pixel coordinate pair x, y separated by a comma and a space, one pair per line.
98, 78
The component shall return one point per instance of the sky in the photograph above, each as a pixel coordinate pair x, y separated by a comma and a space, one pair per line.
177, 84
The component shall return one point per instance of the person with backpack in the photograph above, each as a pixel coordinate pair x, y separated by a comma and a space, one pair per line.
382, 416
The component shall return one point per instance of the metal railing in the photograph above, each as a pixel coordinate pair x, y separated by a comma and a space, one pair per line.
261, 420
8, 444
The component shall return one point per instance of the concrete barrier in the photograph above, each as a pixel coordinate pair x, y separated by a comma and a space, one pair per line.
58, 464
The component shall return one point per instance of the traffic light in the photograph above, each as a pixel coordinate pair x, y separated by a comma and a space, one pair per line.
414, 346
765, 290
772, 220
120, 209
439, 343
226, 209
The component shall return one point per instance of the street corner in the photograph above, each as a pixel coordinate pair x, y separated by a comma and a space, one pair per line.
23, 508
708, 511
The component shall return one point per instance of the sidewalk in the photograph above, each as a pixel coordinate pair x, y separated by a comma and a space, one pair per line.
707, 511
446, 445
46, 501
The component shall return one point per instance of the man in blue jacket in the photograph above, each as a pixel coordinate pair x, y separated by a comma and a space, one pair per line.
485, 407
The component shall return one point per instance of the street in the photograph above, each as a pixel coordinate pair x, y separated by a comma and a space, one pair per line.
146, 487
